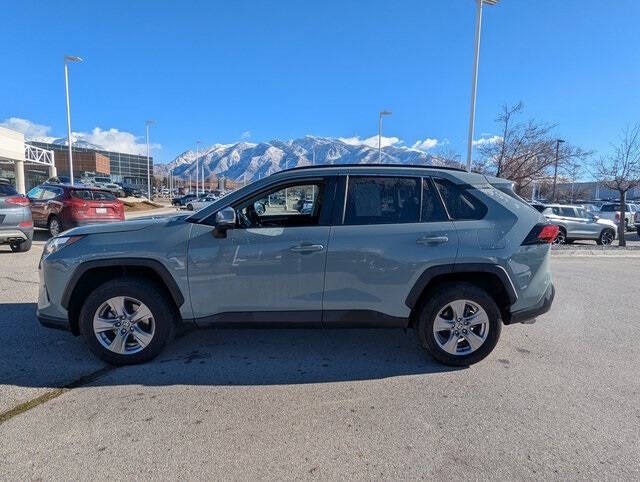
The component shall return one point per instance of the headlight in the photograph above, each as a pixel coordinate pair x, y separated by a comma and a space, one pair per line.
56, 244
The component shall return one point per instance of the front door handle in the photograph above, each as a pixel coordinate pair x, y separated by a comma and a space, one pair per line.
433, 240
306, 248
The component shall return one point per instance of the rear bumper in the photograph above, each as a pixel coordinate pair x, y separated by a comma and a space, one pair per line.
529, 315
15, 235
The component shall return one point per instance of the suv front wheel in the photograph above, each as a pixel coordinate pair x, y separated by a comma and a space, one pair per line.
459, 325
126, 321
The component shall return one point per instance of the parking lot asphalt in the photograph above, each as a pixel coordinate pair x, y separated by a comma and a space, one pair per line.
558, 399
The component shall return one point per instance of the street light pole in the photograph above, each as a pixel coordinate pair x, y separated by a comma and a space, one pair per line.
384, 112
146, 125
555, 170
474, 78
197, 169
69, 58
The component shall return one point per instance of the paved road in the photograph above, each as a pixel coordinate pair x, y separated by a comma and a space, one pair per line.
559, 399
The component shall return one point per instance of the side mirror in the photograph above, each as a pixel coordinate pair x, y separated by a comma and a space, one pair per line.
225, 219
595, 217
259, 208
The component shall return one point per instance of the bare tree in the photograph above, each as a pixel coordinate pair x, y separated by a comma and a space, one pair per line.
447, 157
620, 170
524, 151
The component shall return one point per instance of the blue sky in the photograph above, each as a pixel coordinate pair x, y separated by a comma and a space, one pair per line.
223, 70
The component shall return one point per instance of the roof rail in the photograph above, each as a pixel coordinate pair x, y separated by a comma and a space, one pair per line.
420, 166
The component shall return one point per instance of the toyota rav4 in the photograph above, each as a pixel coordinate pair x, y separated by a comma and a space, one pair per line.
450, 254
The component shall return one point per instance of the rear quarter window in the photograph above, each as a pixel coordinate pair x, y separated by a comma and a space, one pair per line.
460, 203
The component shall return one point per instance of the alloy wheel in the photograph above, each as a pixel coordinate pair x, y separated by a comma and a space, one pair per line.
54, 227
560, 238
606, 238
461, 327
124, 325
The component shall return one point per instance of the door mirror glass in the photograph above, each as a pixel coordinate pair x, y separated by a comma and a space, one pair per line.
259, 208
226, 218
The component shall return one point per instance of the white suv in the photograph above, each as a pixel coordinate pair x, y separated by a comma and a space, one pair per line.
612, 213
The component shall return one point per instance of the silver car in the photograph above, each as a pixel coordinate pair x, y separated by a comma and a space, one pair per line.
453, 255
576, 223
16, 225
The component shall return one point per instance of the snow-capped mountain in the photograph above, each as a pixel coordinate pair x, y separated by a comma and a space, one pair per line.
235, 161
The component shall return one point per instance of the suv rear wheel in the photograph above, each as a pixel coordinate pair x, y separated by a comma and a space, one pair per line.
126, 321
460, 325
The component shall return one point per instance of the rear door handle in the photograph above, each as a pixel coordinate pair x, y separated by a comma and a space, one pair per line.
433, 240
306, 248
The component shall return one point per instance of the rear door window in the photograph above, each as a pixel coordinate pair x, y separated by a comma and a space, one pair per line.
382, 200
432, 208
568, 212
460, 203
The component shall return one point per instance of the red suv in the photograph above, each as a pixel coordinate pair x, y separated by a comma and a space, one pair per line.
59, 207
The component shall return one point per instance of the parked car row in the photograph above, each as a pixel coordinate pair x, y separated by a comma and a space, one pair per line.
55, 207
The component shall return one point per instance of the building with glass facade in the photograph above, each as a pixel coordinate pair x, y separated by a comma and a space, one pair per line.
123, 167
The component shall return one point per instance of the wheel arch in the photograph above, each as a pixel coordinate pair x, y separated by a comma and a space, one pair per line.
90, 274
490, 277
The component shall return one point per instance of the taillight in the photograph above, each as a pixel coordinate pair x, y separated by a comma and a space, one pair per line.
541, 234
26, 224
20, 200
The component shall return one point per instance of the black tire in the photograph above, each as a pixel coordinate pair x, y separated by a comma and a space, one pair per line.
149, 293
190, 207
54, 225
21, 247
606, 237
561, 238
569, 241
431, 308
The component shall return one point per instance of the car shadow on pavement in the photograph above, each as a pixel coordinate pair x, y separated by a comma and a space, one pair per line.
36, 356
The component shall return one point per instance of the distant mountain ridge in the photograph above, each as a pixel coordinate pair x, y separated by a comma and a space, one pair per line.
235, 161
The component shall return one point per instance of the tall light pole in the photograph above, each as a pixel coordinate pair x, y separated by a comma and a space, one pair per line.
197, 173
474, 79
384, 112
555, 170
146, 125
67, 59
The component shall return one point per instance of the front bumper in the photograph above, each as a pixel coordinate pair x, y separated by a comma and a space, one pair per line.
53, 322
529, 315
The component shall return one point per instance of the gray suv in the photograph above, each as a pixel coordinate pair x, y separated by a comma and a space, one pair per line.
452, 255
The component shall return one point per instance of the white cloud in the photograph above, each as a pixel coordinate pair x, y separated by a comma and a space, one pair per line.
426, 144
245, 135
487, 140
109, 139
28, 128
371, 141
115, 140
